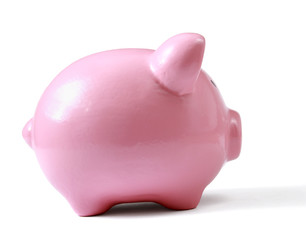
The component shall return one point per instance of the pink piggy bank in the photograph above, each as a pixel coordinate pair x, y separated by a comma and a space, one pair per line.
134, 125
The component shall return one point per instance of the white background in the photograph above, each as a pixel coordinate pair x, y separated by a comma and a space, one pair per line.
255, 52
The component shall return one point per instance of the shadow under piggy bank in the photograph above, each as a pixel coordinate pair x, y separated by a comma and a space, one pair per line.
221, 200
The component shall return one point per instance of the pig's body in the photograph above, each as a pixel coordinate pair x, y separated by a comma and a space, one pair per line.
110, 128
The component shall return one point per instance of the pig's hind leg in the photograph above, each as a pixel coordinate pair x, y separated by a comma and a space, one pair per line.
90, 207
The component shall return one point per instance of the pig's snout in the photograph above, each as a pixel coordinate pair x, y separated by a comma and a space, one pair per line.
27, 132
234, 135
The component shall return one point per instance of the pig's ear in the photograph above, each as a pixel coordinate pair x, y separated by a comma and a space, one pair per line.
176, 64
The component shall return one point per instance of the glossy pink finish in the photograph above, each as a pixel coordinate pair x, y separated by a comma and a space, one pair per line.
134, 125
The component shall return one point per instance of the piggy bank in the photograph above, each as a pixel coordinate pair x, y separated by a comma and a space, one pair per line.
134, 125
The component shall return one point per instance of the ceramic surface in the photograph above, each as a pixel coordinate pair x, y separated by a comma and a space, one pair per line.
134, 125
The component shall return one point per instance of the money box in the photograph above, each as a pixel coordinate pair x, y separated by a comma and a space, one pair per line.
134, 125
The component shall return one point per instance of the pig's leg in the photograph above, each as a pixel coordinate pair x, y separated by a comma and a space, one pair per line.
182, 201
90, 207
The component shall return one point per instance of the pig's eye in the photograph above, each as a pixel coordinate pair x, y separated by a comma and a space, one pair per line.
213, 83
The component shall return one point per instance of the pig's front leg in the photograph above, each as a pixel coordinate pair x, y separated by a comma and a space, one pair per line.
182, 200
